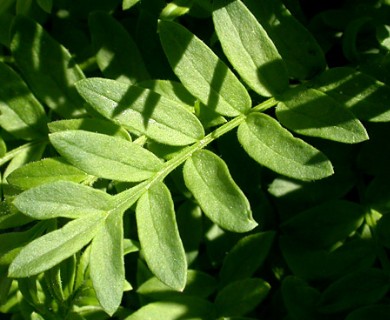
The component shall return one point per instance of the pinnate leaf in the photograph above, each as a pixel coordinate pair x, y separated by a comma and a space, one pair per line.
159, 236
105, 156
209, 180
142, 111
313, 113
267, 142
249, 49
202, 72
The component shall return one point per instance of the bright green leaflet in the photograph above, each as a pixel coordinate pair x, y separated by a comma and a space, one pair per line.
62, 199
159, 236
209, 180
107, 264
54, 247
249, 48
202, 72
266, 141
311, 112
142, 111
105, 156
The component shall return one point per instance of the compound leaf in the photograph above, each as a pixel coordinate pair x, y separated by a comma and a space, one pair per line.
105, 156
209, 180
267, 142
202, 72
159, 236
249, 49
142, 111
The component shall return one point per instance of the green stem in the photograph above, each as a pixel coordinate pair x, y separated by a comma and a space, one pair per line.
127, 198
14, 152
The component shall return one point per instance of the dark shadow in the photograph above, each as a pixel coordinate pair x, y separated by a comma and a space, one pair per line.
273, 76
217, 81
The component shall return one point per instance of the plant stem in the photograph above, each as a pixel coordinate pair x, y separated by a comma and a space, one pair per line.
127, 198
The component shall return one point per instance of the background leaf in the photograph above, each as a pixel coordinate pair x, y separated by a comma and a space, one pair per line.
159, 237
264, 139
201, 71
209, 180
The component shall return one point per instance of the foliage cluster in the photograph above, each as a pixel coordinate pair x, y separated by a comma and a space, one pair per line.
194, 159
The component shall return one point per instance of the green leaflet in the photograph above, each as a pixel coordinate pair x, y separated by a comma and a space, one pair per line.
377, 312
159, 237
202, 72
266, 141
249, 49
62, 199
47, 67
107, 264
127, 4
246, 294
209, 180
365, 96
297, 46
44, 171
21, 114
54, 247
142, 111
117, 56
105, 156
90, 124
311, 112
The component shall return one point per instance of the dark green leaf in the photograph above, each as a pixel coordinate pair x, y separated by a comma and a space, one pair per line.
159, 237
325, 224
54, 247
47, 170
246, 256
311, 112
117, 56
21, 114
62, 199
241, 297
365, 96
105, 156
209, 180
354, 290
47, 67
201, 71
142, 111
297, 46
377, 312
266, 141
107, 263
249, 48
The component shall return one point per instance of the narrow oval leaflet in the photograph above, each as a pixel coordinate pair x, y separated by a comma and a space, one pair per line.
313, 113
202, 72
209, 180
142, 111
267, 142
62, 199
105, 156
249, 48
54, 247
159, 236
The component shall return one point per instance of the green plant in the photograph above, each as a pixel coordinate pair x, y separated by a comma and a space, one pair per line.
181, 186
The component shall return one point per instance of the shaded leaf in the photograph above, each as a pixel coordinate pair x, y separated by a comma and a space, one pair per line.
313, 113
201, 71
105, 156
62, 199
47, 170
117, 56
241, 297
159, 236
267, 142
142, 111
21, 114
47, 67
249, 49
107, 263
377, 312
54, 247
209, 180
